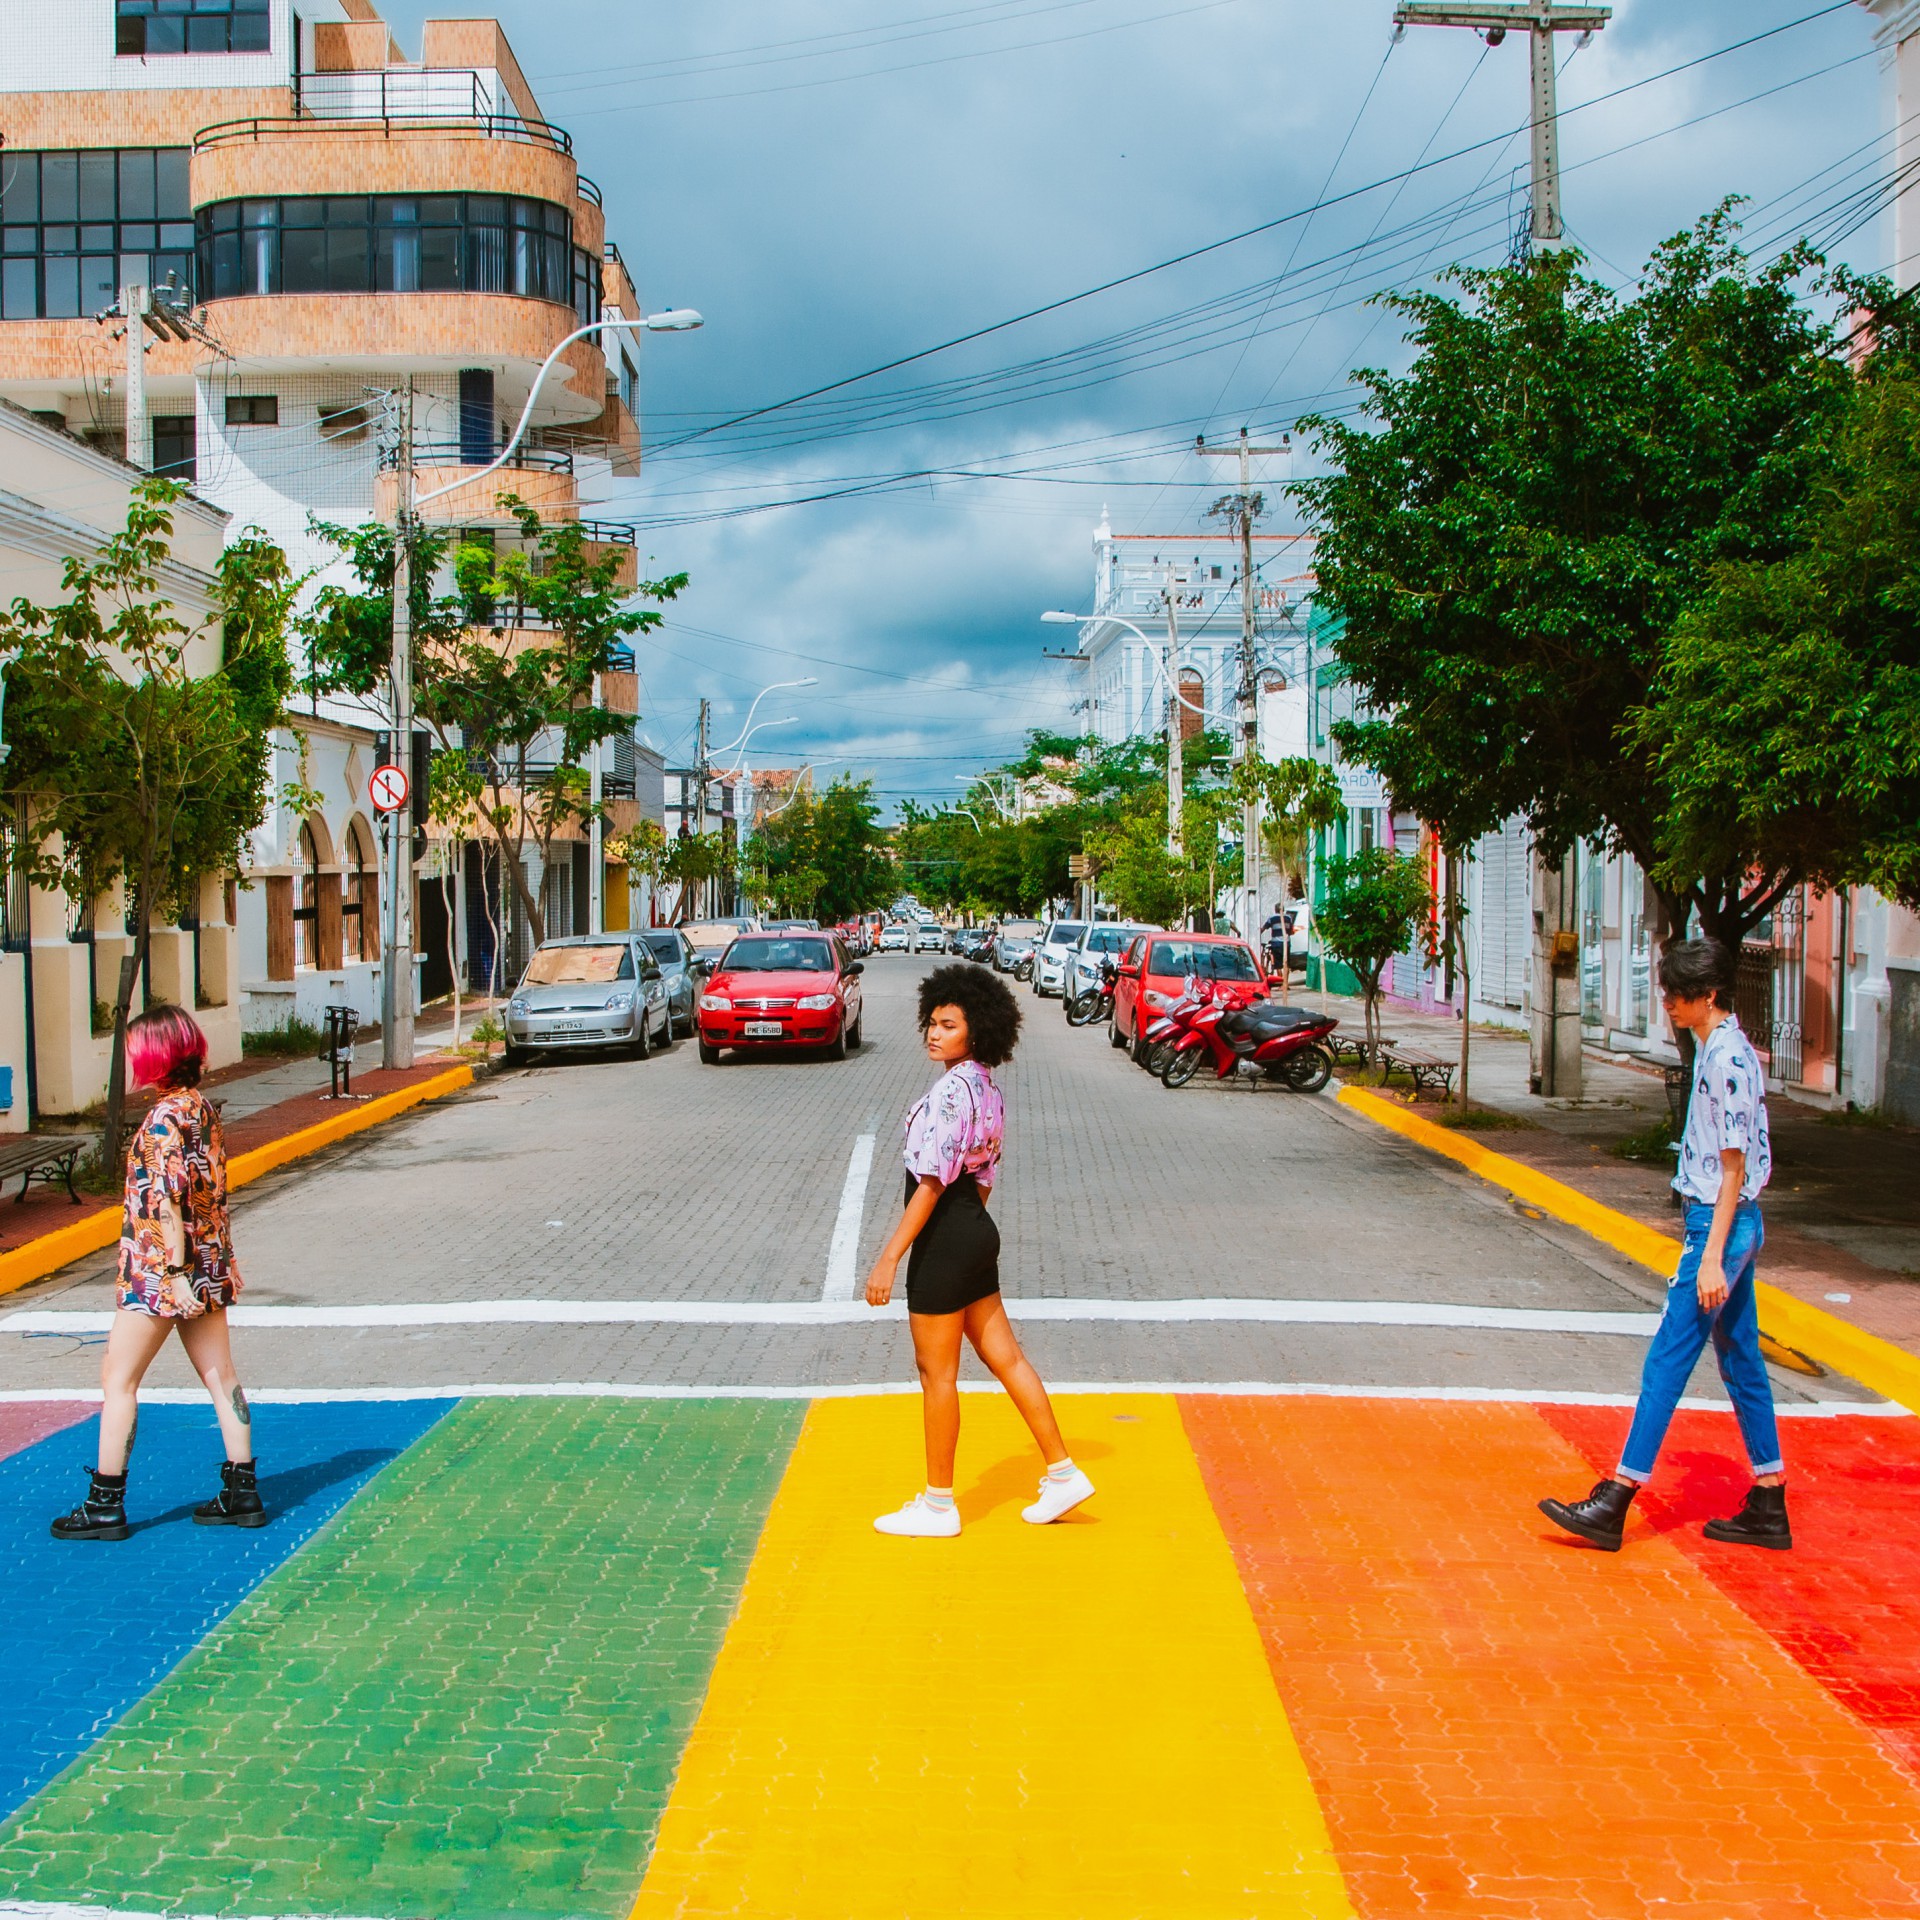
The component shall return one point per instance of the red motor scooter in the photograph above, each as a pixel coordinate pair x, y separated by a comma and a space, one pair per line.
1162, 1033
1265, 1041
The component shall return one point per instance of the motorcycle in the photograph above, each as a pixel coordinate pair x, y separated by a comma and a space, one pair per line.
1163, 1032
1283, 1043
1096, 1002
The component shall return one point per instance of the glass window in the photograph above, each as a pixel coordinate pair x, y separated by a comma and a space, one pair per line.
584, 965
121, 194
778, 956
438, 243
174, 446
253, 410
1203, 959
147, 27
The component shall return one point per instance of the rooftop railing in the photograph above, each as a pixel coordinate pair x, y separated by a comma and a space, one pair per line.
413, 100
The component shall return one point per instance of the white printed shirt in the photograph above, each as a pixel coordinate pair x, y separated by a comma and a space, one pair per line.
957, 1128
1728, 1109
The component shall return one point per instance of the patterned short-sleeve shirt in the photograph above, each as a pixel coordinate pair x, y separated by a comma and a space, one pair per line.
957, 1128
178, 1154
1727, 1109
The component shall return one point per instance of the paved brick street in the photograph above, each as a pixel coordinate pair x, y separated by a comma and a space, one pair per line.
573, 1434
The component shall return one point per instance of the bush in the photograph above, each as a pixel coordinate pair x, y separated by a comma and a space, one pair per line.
1652, 1146
284, 1042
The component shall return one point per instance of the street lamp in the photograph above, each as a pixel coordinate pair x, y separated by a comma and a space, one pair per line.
674, 320
1154, 649
812, 680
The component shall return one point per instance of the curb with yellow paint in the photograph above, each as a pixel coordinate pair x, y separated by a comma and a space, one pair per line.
1835, 1343
97, 1231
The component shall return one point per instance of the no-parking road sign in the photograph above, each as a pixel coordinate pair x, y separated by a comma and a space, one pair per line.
387, 789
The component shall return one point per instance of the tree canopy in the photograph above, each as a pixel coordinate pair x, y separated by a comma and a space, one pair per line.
1517, 526
823, 856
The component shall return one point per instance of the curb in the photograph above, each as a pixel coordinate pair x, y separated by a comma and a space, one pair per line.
97, 1231
1836, 1343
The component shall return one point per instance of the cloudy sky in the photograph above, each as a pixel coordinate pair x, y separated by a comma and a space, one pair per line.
839, 187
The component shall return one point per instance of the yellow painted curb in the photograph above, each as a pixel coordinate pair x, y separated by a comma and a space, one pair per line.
96, 1231
1875, 1363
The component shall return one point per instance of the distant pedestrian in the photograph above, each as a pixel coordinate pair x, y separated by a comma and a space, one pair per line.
971, 1022
176, 1272
1274, 930
1724, 1163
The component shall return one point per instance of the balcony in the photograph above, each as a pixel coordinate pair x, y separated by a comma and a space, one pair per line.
542, 476
394, 101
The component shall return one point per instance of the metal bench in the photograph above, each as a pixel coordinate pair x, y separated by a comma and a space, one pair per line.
43, 1157
1421, 1067
1350, 1049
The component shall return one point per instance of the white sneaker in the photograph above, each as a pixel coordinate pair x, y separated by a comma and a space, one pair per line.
922, 1520
1058, 1497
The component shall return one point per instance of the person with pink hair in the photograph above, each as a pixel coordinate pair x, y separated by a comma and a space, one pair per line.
176, 1272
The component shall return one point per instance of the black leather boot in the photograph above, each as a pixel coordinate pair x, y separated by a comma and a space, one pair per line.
237, 1504
1600, 1518
102, 1515
1762, 1522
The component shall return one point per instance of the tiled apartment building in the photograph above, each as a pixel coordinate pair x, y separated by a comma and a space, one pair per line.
346, 223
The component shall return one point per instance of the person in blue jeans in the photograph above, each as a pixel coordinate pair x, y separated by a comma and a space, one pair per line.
1724, 1163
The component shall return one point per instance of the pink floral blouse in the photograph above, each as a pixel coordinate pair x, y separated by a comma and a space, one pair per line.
957, 1127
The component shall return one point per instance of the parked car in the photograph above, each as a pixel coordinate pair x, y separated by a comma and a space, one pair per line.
1104, 940
1154, 966
789, 926
972, 943
782, 990
930, 937
1013, 945
589, 991
711, 938
683, 970
1050, 956
897, 938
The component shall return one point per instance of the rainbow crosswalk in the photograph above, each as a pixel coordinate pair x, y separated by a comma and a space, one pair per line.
1303, 1656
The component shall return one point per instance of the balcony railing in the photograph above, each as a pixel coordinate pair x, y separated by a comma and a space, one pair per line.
589, 191
606, 533
454, 453
423, 100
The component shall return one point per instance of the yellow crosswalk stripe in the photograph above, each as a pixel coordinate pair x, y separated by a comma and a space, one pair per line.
1075, 1720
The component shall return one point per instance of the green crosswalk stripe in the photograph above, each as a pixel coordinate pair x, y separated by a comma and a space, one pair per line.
465, 1697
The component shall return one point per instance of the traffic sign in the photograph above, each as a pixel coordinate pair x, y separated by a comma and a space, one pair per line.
388, 789
1079, 867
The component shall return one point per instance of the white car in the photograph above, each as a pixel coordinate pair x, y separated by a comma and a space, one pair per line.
1104, 940
930, 937
1050, 956
895, 939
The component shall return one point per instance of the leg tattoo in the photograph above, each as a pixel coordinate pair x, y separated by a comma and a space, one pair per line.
133, 1431
242, 1412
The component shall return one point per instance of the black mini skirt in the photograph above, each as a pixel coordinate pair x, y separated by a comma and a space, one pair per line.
956, 1259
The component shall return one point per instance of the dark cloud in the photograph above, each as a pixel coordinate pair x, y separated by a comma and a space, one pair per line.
837, 187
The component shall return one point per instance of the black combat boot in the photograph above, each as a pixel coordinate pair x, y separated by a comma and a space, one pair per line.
237, 1504
1600, 1518
102, 1515
1762, 1522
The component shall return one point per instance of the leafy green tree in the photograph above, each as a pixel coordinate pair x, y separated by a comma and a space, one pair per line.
824, 856
1376, 902
141, 746
689, 861
1515, 526
1785, 719
514, 691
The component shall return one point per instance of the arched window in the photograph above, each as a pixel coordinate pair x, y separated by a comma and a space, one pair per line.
306, 912
360, 910
1193, 693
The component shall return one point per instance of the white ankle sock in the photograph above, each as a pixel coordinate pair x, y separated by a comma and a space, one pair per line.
939, 1498
1061, 1470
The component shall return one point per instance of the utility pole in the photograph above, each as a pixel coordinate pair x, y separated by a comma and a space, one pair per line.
1176, 745
136, 302
396, 973
1555, 991
1245, 505
1540, 20
596, 857
700, 773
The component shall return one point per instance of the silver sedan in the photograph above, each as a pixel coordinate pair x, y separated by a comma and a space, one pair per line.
589, 992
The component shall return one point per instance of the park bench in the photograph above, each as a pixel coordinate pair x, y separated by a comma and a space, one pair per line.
1350, 1049
43, 1157
1421, 1067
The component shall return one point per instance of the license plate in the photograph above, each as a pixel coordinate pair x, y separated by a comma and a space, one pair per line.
763, 1029
568, 1026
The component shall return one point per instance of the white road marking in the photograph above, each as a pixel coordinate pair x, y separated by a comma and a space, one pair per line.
844, 1254
855, 1390
849, 1312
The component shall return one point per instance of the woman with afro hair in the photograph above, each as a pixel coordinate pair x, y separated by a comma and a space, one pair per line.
971, 1022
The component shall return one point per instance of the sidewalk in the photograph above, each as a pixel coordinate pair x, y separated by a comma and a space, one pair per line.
262, 1101
1843, 1209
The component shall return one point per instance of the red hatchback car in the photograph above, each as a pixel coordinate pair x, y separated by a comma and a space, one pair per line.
774, 990
1154, 966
